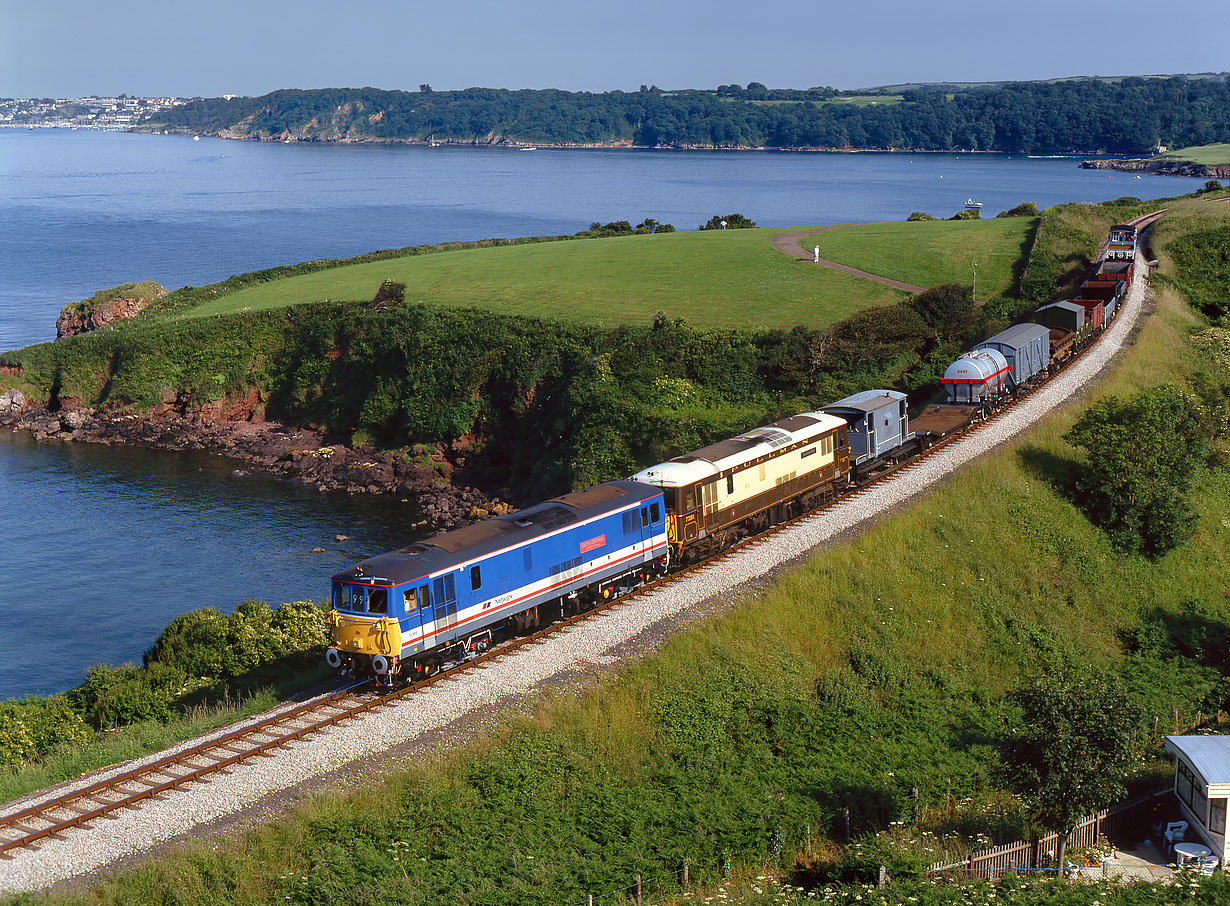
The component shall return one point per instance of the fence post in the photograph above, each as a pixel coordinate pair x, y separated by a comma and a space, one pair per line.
638, 890
845, 819
809, 838
685, 873
1154, 724
883, 877
590, 900
914, 796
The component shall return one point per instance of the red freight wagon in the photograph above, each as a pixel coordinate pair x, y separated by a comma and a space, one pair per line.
1094, 312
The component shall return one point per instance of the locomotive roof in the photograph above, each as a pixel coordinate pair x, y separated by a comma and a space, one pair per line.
726, 454
452, 549
867, 400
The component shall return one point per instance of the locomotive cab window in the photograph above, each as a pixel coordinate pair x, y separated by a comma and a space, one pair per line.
356, 600
644, 516
655, 514
730, 483
411, 599
378, 600
689, 498
341, 600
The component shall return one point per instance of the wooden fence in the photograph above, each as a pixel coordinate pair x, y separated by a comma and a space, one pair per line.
1026, 855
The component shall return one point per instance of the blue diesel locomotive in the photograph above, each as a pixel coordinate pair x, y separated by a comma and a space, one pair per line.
444, 599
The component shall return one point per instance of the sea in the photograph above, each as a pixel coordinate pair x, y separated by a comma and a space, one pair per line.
103, 546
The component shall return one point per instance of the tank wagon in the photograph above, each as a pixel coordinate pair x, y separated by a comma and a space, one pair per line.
447, 598
976, 378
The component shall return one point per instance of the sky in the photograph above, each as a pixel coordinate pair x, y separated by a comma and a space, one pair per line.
67, 48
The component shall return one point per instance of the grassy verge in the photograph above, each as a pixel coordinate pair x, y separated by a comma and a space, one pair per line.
933, 252
876, 667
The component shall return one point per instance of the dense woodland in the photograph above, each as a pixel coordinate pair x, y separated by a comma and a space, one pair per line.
1127, 116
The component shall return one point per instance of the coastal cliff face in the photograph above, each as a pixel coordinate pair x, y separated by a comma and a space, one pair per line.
1160, 167
106, 307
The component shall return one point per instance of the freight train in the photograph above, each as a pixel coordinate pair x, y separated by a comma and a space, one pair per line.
446, 599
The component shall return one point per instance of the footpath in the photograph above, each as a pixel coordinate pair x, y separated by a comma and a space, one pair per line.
789, 244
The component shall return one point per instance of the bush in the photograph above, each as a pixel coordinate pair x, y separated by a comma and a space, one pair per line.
31, 727
920, 215
209, 646
732, 221
972, 214
1028, 209
391, 292
1143, 453
114, 696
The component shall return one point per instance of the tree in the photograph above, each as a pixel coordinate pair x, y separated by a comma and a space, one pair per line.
1143, 453
730, 222
1070, 753
948, 309
389, 293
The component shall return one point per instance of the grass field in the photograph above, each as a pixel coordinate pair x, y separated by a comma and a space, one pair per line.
875, 667
718, 279
1209, 155
926, 253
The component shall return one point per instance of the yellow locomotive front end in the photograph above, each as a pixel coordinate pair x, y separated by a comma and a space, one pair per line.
364, 632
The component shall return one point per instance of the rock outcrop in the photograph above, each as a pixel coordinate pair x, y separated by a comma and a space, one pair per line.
106, 307
1160, 167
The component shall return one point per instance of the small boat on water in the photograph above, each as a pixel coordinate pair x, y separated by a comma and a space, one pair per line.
196, 138
971, 205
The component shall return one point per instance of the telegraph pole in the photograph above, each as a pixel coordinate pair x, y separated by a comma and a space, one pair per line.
974, 291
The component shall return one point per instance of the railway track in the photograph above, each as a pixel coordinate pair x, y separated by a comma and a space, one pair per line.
205, 762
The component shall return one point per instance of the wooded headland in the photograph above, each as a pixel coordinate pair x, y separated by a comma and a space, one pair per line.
1124, 116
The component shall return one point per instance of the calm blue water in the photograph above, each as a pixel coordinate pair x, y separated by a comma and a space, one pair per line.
102, 546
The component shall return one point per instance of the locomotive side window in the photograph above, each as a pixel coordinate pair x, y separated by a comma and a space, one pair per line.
378, 600
689, 498
527, 558
476, 578
730, 483
411, 599
424, 600
654, 512
644, 517
628, 523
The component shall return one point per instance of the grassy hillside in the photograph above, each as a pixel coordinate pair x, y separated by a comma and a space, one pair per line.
712, 278
877, 666
928, 253
1210, 155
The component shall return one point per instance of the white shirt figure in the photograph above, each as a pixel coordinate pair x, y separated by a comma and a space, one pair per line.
723, 224
816, 252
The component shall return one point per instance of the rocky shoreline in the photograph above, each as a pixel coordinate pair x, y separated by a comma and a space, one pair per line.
237, 431
1160, 167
